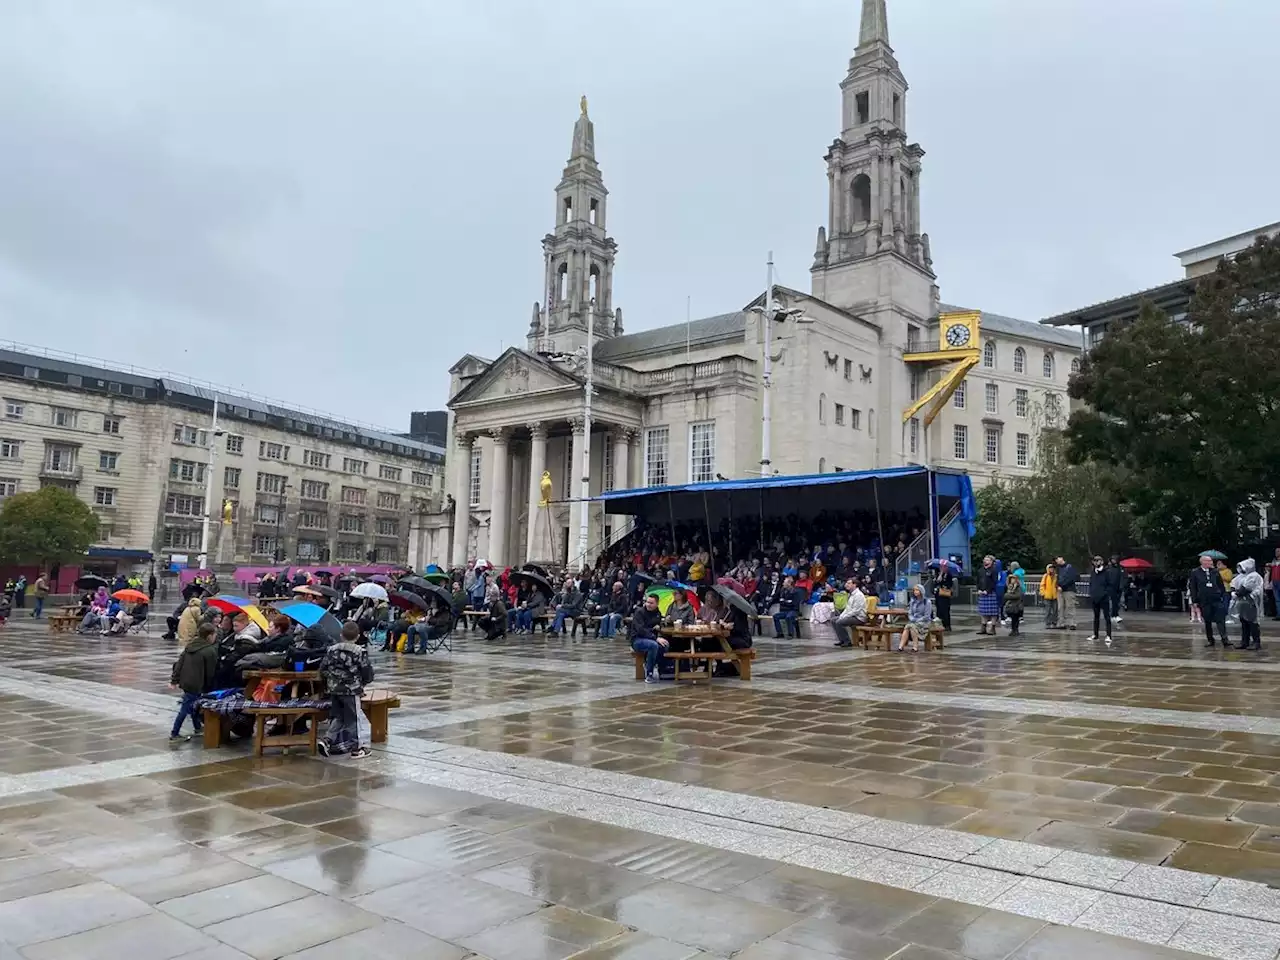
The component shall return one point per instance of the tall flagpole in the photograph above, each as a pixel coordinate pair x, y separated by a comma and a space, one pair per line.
214, 433
766, 439
584, 493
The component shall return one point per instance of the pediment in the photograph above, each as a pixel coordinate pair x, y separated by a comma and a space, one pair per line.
514, 373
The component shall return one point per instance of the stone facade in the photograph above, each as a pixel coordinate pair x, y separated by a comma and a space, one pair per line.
300, 487
682, 403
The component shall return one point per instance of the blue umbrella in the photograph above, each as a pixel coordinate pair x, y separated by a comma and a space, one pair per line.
302, 611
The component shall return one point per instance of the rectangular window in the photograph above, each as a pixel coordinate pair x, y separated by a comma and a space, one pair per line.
348, 551
264, 546
389, 501
959, 398
421, 479
59, 458
473, 481
182, 538
272, 451
353, 495
111, 425
266, 513
839, 414
960, 438
848, 369
14, 409
313, 520
1024, 449
184, 505
914, 381
389, 473
351, 523
702, 452
655, 456
1020, 403
913, 338
360, 467
31, 373
62, 416
607, 456
8, 487
190, 436
270, 483
314, 458
992, 397
108, 460
10, 449
388, 527
992, 445
104, 496
314, 490
855, 418
231, 477
915, 436
188, 471
309, 550
235, 443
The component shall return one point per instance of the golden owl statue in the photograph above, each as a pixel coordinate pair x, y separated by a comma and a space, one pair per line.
545, 486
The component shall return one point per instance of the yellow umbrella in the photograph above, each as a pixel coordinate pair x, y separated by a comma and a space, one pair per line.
257, 616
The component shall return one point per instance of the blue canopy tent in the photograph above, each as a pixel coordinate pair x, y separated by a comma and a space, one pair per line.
934, 492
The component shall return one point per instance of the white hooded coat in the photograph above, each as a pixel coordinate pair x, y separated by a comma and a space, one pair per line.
1248, 578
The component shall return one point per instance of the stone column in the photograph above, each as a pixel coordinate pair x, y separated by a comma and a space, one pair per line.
537, 464
575, 492
622, 458
500, 497
462, 498
877, 215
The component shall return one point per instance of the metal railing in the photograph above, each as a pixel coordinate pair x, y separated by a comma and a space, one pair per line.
604, 543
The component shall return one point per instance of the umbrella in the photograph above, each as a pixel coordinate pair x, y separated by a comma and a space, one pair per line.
407, 600
324, 573
329, 592
131, 596
432, 592
229, 602
381, 578
416, 584
535, 579
436, 577
666, 594
254, 613
370, 591
308, 591
1137, 563
193, 589
1213, 554
734, 599
733, 584
90, 582
534, 568
303, 612
328, 627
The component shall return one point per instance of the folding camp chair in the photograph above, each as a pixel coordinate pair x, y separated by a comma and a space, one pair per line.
444, 641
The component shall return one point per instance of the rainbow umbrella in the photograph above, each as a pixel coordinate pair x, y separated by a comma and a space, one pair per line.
230, 603
666, 594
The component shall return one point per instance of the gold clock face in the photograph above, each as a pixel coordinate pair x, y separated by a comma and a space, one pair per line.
958, 335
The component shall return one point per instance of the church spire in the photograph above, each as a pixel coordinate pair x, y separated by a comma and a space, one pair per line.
875, 24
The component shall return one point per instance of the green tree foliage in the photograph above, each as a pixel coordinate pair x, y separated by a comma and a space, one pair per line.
1075, 510
1002, 529
46, 526
1187, 411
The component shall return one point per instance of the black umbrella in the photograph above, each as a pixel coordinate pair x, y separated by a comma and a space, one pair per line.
329, 592
734, 599
416, 584
327, 627
536, 579
90, 582
534, 568
407, 599
193, 589
324, 573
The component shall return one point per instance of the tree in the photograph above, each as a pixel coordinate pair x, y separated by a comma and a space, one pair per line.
1002, 528
46, 526
1187, 410
1074, 510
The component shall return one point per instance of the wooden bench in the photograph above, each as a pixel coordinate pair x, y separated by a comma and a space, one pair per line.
873, 637
63, 622
376, 704
290, 715
743, 658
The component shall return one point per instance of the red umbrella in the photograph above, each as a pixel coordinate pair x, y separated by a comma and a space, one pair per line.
1137, 563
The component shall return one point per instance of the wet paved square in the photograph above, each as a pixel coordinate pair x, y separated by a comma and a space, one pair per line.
1037, 797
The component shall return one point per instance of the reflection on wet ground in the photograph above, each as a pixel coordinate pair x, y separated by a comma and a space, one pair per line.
113, 844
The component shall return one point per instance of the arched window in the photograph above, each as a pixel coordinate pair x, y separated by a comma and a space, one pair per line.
822, 464
861, 198
568, 209
1048, 364
1075, 364
989, 354
593, 284
1019, 361
822, 408
562, 283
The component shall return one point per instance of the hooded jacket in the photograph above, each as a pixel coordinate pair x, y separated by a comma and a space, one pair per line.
189, 622
1247, 579
1013, 591
196, 665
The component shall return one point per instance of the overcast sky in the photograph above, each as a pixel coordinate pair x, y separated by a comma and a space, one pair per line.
330, 201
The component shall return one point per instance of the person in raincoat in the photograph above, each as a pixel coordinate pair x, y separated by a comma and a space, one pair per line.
1014, 594
1247, 587
1049, 594
189, 623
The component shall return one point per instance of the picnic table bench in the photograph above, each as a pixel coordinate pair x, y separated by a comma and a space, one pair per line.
64, 621
691, 635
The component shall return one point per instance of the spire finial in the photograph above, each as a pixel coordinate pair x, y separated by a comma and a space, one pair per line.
875, 23
584, 104
584, 136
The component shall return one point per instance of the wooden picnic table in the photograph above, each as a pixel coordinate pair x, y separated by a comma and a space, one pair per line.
688, 635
